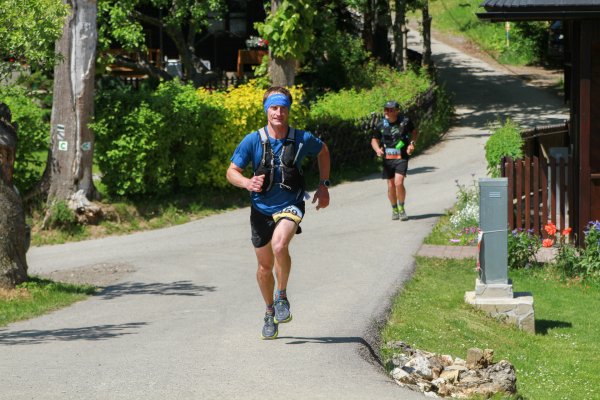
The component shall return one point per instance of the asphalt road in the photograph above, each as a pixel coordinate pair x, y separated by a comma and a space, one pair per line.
186, 323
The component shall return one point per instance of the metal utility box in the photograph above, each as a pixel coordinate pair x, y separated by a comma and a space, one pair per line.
493, 223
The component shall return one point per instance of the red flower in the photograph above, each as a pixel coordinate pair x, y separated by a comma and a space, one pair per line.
550, 229
566, 232
547, 242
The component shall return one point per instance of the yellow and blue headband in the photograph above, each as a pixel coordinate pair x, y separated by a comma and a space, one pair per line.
277, 99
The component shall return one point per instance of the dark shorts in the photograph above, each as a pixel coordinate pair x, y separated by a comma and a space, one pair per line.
263, 226
392, 167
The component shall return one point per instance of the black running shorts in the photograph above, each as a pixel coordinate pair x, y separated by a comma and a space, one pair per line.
392, 167
263, 226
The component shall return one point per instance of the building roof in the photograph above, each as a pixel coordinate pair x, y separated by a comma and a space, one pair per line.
539, 10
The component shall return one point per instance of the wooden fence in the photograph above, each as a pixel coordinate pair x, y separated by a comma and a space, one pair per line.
539, 192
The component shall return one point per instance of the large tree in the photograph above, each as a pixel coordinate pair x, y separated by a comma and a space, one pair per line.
28, 28
183, 21
13, 264
68, 174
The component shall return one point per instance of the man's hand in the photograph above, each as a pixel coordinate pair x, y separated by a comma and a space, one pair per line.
379, 152
322, 195
255, 183
410, 149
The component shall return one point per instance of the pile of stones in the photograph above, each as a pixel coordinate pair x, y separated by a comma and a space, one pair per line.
444, 376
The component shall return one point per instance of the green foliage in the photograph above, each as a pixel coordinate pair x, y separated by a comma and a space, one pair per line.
349, 104
528, 43
337, 58
33, 132
28, 30
581, 263
155, 142
289, 30
121, 21
522, 249
467, 206
505, 141
528, 40
60, 216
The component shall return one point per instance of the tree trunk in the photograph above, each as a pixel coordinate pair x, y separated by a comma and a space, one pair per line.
69, 167
397, 33
282, 71
426, 36
367, 28
13, 264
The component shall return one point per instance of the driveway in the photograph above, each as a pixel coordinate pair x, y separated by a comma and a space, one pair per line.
184, 323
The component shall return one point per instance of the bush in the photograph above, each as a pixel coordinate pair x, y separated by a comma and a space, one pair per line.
582, 263
522, 249
467, 207
33, 132
505, 141
154, 142
177, 137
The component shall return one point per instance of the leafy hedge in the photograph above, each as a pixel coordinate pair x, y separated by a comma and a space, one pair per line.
33, 133
174, 138
506, 141
178, 137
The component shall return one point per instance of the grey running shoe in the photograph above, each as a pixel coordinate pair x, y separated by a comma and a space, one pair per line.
269, 330
395, 215
282, 311
402, 215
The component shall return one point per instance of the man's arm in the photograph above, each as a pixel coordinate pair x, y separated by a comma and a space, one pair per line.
413, 140
236, 178
322, 193
376, 145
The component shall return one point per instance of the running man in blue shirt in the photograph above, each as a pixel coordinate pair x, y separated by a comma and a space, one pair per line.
277, 194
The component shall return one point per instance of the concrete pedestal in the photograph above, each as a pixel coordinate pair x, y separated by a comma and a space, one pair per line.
499, 300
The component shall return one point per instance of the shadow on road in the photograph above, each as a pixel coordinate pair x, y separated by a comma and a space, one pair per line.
336, 340
425, 216
421, 170
488, 97
101, 332
179, 288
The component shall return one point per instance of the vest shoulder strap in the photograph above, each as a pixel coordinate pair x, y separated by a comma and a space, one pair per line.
263, 135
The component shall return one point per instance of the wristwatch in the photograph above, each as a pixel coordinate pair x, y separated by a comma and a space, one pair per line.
325, 182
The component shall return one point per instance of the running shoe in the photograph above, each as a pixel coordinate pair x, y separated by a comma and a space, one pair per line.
282, 311
269, 330
395, 215
402, 215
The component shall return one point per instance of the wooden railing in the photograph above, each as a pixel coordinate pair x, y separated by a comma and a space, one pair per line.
539, 192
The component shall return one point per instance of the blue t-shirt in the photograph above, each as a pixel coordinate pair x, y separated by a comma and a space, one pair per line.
250, 150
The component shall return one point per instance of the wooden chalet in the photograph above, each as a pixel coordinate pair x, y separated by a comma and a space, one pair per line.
581, 24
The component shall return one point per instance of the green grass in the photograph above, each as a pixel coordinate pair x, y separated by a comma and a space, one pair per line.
458, 17
559, 362
39, 296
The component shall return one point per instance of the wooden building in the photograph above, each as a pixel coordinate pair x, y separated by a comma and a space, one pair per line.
581, 21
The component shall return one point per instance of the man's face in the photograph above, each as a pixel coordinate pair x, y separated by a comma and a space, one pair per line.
391, 114
278, 115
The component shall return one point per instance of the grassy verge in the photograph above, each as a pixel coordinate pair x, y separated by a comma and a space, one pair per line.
458, 17
127, 216
39, 296
558, 362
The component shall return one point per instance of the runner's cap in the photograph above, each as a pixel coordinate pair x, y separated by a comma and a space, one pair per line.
391, 104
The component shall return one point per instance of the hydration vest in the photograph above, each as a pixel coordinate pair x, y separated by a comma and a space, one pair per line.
388, 138
291, 176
